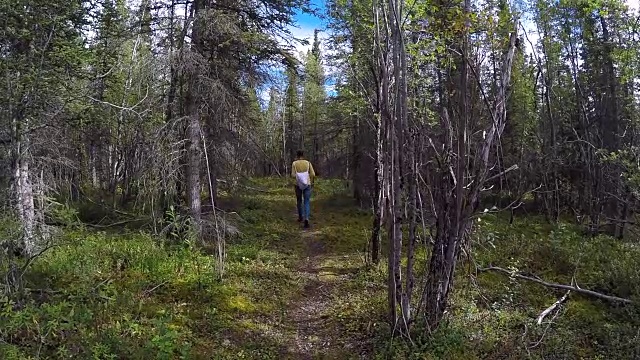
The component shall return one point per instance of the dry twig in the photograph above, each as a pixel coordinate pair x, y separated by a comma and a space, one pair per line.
548, 310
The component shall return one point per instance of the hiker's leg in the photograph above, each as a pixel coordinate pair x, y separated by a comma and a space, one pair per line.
299, 203
307, 203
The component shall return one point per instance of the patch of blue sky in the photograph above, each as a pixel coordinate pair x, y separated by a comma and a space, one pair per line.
306, 23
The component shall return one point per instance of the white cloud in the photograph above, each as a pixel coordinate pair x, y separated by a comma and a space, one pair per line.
307, 33
303, 33
301, 50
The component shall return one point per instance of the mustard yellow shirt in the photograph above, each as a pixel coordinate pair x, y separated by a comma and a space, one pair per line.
302, 166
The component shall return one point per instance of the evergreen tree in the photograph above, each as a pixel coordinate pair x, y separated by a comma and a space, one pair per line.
314, 102
295, 136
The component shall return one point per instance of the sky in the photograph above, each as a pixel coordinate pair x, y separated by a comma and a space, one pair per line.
307, 23
304, 29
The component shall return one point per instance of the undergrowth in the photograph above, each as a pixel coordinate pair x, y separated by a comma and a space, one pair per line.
493, 316
129, 295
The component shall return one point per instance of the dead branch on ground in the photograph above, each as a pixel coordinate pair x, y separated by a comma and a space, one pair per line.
548, 310
575, 288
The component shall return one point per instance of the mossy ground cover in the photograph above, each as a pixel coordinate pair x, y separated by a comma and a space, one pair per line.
294, 294
129, 295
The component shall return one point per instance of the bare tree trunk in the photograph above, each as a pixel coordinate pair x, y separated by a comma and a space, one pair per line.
447, 243
413, 203
610, 127
552, 196
285, 164
356, 152
193, 131
452, 223
396, 125
22, 187
454, 215
212, 166
171, 94
378, 202
382, 46
193, 170
93, 159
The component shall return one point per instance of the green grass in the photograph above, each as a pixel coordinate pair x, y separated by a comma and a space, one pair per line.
129, 295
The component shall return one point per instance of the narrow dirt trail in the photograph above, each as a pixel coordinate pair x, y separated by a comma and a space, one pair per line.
315, 331
310, 316
307, 313
322, 313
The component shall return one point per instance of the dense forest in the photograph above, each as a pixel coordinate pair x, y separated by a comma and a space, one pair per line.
478, 164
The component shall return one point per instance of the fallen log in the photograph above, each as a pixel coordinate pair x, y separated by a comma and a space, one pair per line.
575, 288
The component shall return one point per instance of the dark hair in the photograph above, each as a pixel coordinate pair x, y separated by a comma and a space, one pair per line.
300, 153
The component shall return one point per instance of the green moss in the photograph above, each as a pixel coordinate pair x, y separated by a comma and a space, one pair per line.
240, 303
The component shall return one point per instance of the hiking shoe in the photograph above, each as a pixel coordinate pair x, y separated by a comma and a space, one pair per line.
306, 224
299, 219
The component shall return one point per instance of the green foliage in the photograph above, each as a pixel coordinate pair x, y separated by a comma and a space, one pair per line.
494, 316
557, 254
111, 297
627, 160
314, 102
41, 44
62, 213
292, 114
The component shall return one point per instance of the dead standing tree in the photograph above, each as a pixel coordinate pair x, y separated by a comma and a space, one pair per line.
459, 185
392, 140
460, 174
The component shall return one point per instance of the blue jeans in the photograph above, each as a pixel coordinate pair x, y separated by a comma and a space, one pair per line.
303, 199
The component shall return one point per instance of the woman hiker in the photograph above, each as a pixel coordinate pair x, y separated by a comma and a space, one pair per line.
302, 171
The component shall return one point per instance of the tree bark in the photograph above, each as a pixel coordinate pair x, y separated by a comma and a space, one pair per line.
23, 193
378, 202
193, 131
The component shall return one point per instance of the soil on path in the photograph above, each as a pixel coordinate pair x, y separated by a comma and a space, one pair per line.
316, 321
307, 313
316, 334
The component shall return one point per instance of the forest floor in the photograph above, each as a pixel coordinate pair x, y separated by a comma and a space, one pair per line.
324, 311
289, 293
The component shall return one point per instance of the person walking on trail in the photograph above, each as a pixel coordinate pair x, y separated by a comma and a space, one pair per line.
303, 172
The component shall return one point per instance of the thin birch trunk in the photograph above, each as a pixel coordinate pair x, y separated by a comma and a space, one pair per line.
22, 188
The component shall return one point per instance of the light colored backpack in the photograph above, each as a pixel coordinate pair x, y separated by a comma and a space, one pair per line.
303, 178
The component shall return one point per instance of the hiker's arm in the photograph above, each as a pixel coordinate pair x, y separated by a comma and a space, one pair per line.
312, 173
